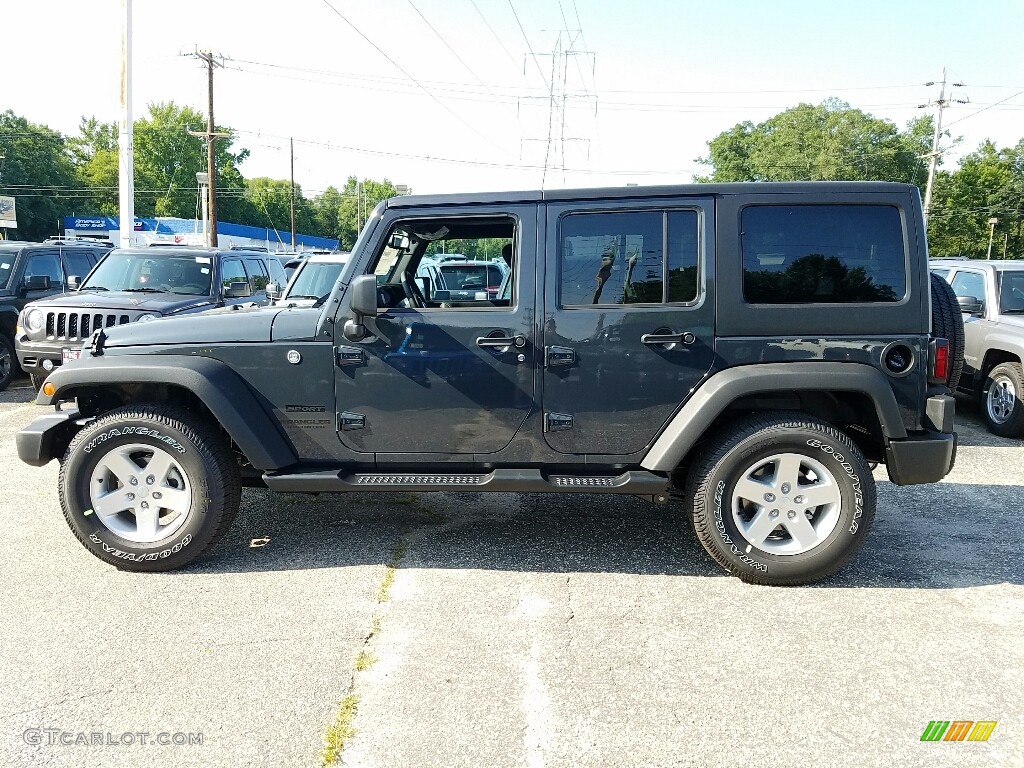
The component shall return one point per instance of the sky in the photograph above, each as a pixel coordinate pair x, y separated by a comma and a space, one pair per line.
477, 95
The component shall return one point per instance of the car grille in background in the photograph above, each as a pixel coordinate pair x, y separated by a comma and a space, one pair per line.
74, 326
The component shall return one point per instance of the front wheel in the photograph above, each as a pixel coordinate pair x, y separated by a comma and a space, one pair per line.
149, 488
782, 499
1003, 400
8, 362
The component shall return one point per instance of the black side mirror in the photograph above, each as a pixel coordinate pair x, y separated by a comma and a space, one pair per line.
37, 283
273, 291
74, 282
971, 305
238, 290
363, 303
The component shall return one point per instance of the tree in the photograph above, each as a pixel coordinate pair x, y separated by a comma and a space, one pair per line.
38, 171
358, 199
94, 152
827, 141
269, 205
989, 183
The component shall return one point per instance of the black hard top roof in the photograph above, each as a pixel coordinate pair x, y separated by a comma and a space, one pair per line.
704, 190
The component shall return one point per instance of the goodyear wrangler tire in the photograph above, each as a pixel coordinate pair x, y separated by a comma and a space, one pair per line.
149, 488
781, 499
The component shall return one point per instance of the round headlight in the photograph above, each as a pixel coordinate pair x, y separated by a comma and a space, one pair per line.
147, 317
34, 320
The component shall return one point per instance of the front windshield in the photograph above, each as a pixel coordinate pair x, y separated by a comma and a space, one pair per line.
315, 279
7, 258
132, 271
1011, 292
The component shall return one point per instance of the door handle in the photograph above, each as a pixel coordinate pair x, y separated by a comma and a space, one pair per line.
668, 338
501, 341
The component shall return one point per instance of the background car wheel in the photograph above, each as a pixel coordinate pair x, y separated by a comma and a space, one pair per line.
1002, 400
8, 362
948, 323
149, 488
781, 499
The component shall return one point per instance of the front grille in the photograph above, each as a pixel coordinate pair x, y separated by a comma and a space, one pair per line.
77, 326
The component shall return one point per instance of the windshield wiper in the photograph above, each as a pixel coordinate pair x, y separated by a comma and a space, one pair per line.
142, 290
301, 296
320, 302
93, 288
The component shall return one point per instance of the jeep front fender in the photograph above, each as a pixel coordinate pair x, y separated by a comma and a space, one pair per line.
227, 396
724, 388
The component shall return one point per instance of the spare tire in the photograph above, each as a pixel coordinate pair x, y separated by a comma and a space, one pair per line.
948, 324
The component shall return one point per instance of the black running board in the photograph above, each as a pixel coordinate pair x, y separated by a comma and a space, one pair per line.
633, 482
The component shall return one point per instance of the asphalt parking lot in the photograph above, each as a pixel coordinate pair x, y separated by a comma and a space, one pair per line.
513, 630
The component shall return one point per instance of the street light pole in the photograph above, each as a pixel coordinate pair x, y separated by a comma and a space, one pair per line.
125, 141
991, 234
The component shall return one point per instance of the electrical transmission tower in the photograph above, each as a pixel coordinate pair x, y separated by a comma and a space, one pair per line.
933, 157
567, 87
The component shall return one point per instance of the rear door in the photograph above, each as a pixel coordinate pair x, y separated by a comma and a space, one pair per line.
628, 320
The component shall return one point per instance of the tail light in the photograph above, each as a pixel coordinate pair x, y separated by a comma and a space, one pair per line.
939, 373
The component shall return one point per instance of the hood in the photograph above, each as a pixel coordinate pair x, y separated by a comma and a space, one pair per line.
1013, 321
164, 303
213, 328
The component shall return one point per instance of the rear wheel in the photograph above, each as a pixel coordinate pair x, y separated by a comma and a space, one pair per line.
149, 488
782, 499
1002, 400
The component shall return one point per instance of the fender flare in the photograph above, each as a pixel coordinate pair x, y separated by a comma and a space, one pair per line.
722, 389
235, 406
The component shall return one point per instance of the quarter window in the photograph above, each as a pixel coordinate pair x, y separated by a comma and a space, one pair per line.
802, 254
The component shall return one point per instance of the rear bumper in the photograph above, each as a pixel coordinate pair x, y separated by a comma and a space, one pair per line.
928, 456
46, 437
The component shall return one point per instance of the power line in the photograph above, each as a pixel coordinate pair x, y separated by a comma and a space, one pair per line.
529, 47
401, 69
500, 42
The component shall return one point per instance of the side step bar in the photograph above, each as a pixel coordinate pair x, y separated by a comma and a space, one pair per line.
633, 482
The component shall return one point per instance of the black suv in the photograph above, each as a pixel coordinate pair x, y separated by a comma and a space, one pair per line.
747, 349
137, 285
33, 271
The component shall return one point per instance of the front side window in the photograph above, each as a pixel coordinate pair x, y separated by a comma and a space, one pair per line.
1011, 292
78, 263
969, 284
232, 271
257, 274
812, 254
47, 264
620, 258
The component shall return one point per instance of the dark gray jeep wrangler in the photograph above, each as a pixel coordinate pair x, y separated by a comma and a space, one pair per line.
747, 349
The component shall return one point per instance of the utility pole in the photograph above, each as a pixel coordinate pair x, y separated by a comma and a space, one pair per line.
125, 139
212, 61
933, 156
291, 148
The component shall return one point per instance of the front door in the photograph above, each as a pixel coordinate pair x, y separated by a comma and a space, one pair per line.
443, 370
628, 320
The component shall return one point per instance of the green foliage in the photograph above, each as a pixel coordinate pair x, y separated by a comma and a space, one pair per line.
39, 171
823, 142
989, 183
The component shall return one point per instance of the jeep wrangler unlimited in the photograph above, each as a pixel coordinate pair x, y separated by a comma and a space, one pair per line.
748, 349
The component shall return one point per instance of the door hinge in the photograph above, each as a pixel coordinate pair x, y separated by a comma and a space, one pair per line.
559, 356
347, 420
348, 356
557, 422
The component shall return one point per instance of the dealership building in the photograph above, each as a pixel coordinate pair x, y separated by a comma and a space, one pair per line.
173, 231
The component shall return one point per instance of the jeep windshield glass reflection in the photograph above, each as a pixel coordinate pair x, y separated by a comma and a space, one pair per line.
152, 273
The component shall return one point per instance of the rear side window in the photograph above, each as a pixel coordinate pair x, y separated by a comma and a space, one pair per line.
620, 258
803, 254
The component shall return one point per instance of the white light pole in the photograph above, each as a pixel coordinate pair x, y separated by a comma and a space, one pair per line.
991, 234
125, 141
204, 180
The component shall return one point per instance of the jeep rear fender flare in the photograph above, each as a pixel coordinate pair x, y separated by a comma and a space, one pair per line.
220, 388
722, 389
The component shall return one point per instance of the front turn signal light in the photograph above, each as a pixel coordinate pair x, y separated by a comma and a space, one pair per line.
49, 389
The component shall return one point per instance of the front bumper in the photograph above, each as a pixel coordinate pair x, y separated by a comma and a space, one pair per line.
31, 354
929, 455
47, 437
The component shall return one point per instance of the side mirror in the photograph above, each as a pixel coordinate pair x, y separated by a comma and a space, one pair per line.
273, 291
363, 303
238, 290
971, 305
74, 282
37, 283
364, 295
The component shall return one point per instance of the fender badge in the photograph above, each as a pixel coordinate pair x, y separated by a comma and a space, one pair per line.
294, 357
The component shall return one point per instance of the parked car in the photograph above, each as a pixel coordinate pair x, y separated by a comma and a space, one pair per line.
312, 279
991, 297
138, 285
30, 271
747, 349
462, 280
